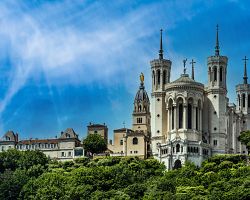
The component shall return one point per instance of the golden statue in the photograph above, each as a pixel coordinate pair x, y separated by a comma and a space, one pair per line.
142, 77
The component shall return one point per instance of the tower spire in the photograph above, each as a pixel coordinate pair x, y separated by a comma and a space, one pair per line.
192, 62
245, 70
184, 65
217, 47
161, 48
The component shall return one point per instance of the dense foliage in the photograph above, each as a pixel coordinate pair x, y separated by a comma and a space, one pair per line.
94, 143
220, 177
245, 139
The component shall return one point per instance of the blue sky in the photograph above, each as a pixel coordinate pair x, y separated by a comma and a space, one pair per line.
67, 63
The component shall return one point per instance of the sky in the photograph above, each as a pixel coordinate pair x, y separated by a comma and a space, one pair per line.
67, 63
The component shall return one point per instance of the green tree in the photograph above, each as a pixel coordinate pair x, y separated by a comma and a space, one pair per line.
244, 138
94, 143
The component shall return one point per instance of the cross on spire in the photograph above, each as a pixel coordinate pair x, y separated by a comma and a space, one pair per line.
161, 47
184, 64
192, 62
245, 70
217, 47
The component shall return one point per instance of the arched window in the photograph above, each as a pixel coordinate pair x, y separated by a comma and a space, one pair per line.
189, 116
139, 108
135, 140
158, 76
243, 100
172, 117
215, 74
177, 148
221, 73
181, 116
154, 77
164, 77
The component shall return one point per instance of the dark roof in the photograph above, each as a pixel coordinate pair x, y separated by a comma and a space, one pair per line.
69, 133
35, 141
122, 130
10, 136
97, 125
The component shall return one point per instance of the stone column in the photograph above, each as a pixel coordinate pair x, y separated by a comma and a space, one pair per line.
175, 117
185, 116
169, 119
200, 119
194, 117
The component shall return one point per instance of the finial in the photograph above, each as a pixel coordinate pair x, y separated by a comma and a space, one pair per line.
184, 64
217, 47
193, 62
161, 48
245, 70
142, 78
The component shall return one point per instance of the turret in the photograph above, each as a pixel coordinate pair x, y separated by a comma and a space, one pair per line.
160, 69
141, 113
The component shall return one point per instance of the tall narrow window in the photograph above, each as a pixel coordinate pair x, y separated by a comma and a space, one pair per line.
189, 116
172, 117
158, 76
164, 77
243, 100
239, 100
180, 116
210, 79
197, 118
221, 73
215, 74
177, 148
248, 101
154, 77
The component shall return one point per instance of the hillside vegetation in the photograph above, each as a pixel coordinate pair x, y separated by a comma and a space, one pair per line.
30, 175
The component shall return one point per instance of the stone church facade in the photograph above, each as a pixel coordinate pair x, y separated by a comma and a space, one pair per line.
191, 121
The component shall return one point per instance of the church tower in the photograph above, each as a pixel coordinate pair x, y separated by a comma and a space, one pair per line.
160, 69
141, 113
217, 99
243, 107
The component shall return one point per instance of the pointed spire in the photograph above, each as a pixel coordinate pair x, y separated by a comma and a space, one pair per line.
184, 65
245, 70
192, 62
217, 47
161, 48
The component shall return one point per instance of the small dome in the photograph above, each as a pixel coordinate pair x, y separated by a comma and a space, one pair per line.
184, 82
141, 95
184, 79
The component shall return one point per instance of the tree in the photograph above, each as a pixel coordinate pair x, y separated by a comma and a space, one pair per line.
245, 139
94, 143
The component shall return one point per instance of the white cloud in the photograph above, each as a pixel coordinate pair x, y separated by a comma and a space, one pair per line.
70, 54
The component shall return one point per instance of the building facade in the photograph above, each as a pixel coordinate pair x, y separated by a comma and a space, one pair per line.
191, 121
65, 148
135, 141
100, 129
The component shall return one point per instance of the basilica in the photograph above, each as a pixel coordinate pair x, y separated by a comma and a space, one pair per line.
191, 121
